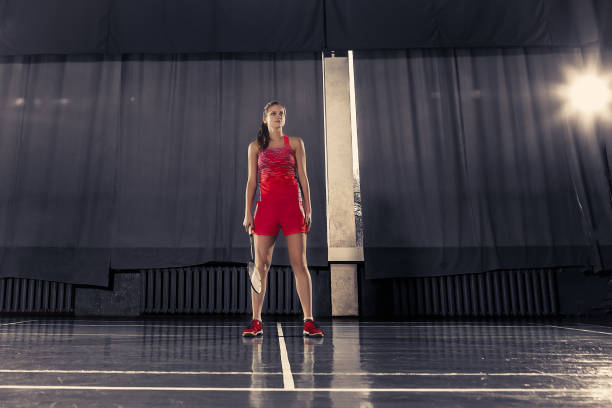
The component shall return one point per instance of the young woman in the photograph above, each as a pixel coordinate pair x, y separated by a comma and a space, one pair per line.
280, 163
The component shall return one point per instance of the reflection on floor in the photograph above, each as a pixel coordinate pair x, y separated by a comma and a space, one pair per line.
195, 362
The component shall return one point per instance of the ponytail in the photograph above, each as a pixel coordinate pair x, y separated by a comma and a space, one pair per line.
263, 136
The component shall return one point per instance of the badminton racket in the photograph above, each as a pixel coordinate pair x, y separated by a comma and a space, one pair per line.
254, 275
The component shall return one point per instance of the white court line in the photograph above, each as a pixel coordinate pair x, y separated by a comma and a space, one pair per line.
408, 326
143, 322
588, 391
595, 325
395, 374
582, 330
287, 377
137, 372
151, 335
364, 374
132, 325
23, 321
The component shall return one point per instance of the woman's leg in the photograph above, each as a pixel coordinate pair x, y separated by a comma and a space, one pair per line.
264, 247
296, 244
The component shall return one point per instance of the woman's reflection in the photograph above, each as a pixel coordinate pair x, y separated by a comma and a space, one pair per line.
256, 398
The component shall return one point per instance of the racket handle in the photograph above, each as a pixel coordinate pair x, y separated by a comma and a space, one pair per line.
251, 246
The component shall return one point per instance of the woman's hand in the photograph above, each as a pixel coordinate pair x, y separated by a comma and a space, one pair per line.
308, 219
248, 222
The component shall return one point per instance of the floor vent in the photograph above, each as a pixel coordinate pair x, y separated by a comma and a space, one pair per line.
214, 289
529, 292
20, 295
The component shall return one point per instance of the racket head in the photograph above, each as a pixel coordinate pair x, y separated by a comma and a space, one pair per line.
254, 277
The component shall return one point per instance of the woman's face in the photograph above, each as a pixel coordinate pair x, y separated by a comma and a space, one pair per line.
275, 117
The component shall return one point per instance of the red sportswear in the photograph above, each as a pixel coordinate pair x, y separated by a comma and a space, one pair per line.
280, 203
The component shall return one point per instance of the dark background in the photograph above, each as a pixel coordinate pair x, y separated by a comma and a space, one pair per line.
125, 126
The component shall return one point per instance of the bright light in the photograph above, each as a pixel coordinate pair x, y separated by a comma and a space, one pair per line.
587, 95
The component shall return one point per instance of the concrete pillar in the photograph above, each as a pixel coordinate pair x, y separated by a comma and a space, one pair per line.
342, 243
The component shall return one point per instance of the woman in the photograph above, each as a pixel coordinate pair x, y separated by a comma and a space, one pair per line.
280, 163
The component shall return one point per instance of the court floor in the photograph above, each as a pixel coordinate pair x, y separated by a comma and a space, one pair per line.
196, 362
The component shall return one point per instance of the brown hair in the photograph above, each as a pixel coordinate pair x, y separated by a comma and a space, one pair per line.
263, 135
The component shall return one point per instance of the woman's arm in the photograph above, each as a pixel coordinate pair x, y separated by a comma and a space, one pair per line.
300, 155
251, 186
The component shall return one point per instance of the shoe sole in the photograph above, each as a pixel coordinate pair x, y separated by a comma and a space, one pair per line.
305, 333
259, 333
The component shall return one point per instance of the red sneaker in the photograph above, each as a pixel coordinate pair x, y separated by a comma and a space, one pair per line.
253, 330
311, 329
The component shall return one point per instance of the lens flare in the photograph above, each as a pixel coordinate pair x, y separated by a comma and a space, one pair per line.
587, 95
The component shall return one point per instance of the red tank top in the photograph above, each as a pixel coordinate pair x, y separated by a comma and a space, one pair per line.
277, 170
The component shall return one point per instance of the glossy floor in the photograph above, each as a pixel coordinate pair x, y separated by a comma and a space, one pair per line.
205, 362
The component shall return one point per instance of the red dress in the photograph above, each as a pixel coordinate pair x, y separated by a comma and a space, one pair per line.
280, 203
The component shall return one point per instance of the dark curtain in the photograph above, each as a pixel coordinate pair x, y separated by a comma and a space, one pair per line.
160, 26
467, 163
58, 141
603, 9
401, 24
196, 26
140, 162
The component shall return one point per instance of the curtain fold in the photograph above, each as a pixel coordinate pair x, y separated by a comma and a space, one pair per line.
141, 161
399, 24
481, 170
160, 26
58, 144
195, 26
186, 125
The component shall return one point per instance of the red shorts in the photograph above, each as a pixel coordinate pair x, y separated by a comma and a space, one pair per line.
271, 216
